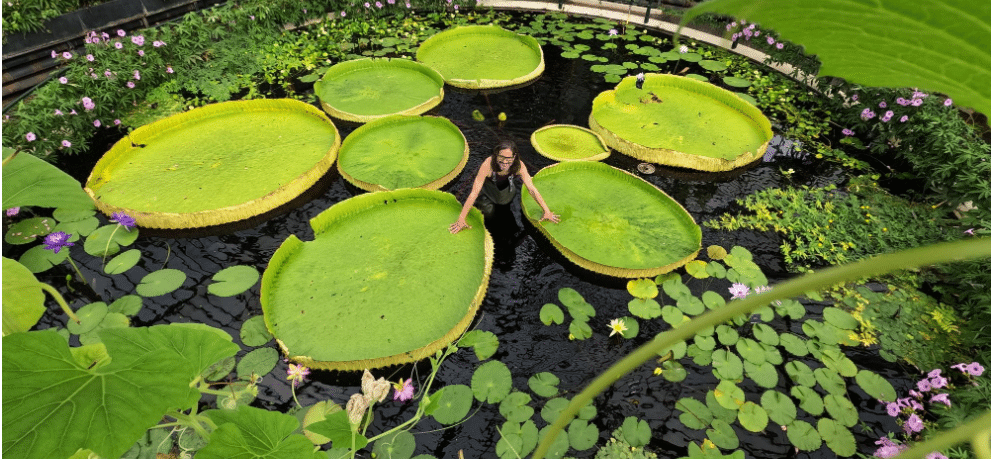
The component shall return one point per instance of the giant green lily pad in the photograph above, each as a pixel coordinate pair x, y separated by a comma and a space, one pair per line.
680, 122
383, 282
403, 152
562, 142
612, 222
367, 89
215, 164
481, 57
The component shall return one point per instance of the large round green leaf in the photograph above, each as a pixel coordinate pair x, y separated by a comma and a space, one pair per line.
367, 89
23, 298
334, 302
403, 152
478, 57
161, 282
645, 234
681, 122
562, 142
876, 386
215, 164
454, 402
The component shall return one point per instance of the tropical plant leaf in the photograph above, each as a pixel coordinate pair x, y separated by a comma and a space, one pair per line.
713, 66
691, 305
499, 57
233, 280
712, 299
27, 230
398, 445
30, 181
559, 446
727, 365
750, 350
955, 59
89, 317
803, 436
483, 343
514, 407
810, 401
23, 298
254, 432
800, 373
161, 282
454, 402
727, 335
550, 313
37, 259
128, 305
336, 427
259, 362
779, 406
830, 381
253, 332
78, 227
491, 382
764, 374
110, 320
645, 289
673, 371
516, 439
737, 82
836, 436
573, 301
632, 328
580, 329
793, 344
834, 359
697, 269
695, 414
672, 315
875, 386
562, 142
765, 334
544, 384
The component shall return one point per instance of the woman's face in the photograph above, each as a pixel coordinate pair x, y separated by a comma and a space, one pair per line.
505, 158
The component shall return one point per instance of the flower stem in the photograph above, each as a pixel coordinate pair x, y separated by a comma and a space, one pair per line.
78, 273
107, 247
58, 299
293, 390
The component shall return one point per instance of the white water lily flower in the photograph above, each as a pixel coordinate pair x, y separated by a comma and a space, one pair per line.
617, 326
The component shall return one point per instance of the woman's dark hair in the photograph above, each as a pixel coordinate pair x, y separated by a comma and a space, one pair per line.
506, 145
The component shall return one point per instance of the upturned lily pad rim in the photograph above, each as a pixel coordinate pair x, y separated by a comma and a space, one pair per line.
484, 83
592, 265
383, 122
676, 158
358, 65
344, 210
176, 220
596, 157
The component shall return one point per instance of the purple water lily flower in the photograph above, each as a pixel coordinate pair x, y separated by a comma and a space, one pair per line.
123, 219
57, 240
404, 390
13, 211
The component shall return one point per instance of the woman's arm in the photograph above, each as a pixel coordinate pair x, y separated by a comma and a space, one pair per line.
526, 178
477, 185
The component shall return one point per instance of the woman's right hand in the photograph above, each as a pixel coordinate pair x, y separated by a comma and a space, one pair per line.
458, 226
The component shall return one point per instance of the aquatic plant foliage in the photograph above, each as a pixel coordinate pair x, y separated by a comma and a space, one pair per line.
643, 234
383, 282
563, 142
482, 57
403, 152
681, 122
214, 164
363, 90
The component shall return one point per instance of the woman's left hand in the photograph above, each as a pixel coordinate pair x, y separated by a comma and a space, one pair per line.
549, 216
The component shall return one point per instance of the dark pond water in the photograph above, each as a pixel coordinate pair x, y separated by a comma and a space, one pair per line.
527, 274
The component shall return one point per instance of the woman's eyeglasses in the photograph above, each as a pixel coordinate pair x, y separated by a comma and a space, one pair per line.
505, 160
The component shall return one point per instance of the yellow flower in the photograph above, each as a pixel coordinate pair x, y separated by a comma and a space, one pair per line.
617, 326
658, 371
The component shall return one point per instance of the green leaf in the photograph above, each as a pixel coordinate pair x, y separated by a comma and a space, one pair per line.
544, 384
454, 402
697, 269
399, 445
559, 446
736, 82
672, 316
111, 320
747, 98
30, 181
772, 354
26, 231
259, 362
580, 329
841, 409
727, 335
645, 309
233, 280
766, 334
89, 317
840, 318
800, 373
793, 344
834, 359
483, 343
515, 407
80, 228
727, 365
636, 432
836, 436
516, 439
551, 313
875, 386
673, 286
37, 259
764, 374
753, 417
574, 302
550, 412
23, 299
713, 66
695, 414
954, 60
810, 401
104, 409
254, 332
161, 282
718, 411
491, 382
122, 262
722, 434
220, 370
632, 327
108, 239
673, 371
336, 427
750, 350
643, 288
582, 435
779, 406
128, 305
690, 304
716, 270
712, 299
256, 433
830, 381
803, 436
705, 342
729, 395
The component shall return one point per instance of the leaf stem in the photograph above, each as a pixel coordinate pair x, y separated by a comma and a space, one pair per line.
58, 299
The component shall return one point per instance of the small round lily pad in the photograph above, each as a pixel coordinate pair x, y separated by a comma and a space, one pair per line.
562, 142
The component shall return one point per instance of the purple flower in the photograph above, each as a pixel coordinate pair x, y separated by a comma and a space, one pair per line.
105, 35
67, 144
762, 289
902, 101
924, 385
130, 85
120, 33
57, 240
868, 114
13, 211
913, 424
343, 14
88, 103
456, 7
948, 102
123, 219
54, 54
367, 5
67, 55
886, 116
893, 409
117, 122
919, 95
89, 57
159, 44
141, 52
612, 32
63, 80
107, 73
975, 369
885, 441
848, 132
917, 102
935, 455
855, 97
914, 393
73, 112
408, 5
138, 40
169, 69
295, 373
941, 398
939, 382
904, 118
30, 136
882, 104
96, 123
137, 75
379, 4
779, 46
404, 390
118, 45
889, 451
738, 290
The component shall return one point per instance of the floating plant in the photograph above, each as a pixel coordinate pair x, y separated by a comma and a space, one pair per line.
562, 142
483, 57
363, 90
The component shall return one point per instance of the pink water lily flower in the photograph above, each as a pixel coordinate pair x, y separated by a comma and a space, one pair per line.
738, 291
403, 390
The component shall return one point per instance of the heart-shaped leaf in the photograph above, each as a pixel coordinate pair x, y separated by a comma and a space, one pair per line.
259, 362
233, 280
803, 436
514, 407
582, 435
636, 432
108, 239
779, 406
454, 402
491, 382
161, 282
544, 384
122, 262
550, 313
753, 417
254, 332
876, 386
695, 414
483, 343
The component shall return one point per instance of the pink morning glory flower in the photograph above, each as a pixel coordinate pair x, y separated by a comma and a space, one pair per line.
893, 409
169, 69
924, 385
88, 103
130, 85
403, 390
379, 4
738, 290
917, 102
117, 122
67, 144
886, 116
867, 114
13, 211
889, 450
975, 369
848, 132
89, 57
118, 45
779, 46
913, 424
941, 398
141, 52
67, 55
138, 40
120, 33
904, 118
30, 136
948, 102
855, 97
939, 382
295, 373
159, 44
882, 104
96, 123
54, 54
902, 101
63, 80
57, 240
343, 14
72, 112
456, 7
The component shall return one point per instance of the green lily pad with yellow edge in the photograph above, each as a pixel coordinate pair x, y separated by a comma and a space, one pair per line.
382, 283
680, 122
562, 142
483, 57
403, 152
215, 164
363, 90
643, 234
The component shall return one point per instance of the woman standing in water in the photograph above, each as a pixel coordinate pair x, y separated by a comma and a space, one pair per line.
494, 185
